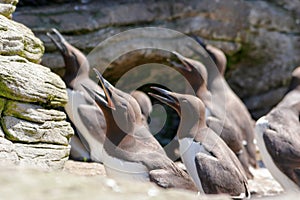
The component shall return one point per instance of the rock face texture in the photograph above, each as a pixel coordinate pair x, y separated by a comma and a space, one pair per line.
34, 184
260, 38
33, 132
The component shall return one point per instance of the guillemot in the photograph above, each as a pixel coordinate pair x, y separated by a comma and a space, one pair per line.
216, 115
278, 137
81, 109
209, 161
236, 110
130, 150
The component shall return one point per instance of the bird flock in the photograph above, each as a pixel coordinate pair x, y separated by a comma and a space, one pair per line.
217, 141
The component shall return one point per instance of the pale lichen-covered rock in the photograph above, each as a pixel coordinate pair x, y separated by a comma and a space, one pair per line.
7, 7
1, 132
50, 132
31, 112
36, 184
17, 82
7, 151
17, 39
259, 38
44, 156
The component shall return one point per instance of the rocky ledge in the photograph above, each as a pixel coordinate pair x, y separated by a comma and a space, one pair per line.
260, 38
33, 130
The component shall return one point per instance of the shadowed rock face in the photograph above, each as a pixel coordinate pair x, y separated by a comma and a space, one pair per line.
260, 38
33, 132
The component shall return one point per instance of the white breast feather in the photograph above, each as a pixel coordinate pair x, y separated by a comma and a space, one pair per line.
120, 169
76, 98
261, 126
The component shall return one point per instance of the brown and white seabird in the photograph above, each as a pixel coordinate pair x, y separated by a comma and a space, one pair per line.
144, 103
236, 111
212, 165
81, 109
278, 138
130, 150
216, 118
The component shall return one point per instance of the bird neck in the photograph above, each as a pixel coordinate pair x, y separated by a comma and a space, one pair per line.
190, 124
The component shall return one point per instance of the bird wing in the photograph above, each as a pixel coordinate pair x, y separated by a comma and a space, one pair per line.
227, 132
220, 177
168, 179
93, 119
285, 152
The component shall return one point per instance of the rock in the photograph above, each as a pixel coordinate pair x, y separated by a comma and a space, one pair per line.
42, 156
17, 82
84, 168
33, 133
1, 133
32, 113
263, 184
50, 132
7, 7
36, 184
7, 152
262, 45
17, 39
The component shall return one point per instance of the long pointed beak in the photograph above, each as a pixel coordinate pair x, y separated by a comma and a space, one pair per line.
59, 41
200, 41
99, 98
165, 97
187, 65
106, 88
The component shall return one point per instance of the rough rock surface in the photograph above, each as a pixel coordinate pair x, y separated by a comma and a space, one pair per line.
33, 132
7, 7
36, 184
260, 38
17, 39
17, 82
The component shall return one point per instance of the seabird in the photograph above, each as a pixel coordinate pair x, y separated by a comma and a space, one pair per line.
130, 150
278, 138
236, 111
144, 103
212, 165
216, 119
81, 109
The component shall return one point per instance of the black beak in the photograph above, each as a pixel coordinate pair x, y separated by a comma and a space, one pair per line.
99, 98
106, 86
165, 97
200, 41
186, 64
59, 41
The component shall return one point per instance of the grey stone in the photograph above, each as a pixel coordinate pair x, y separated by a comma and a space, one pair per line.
31, 112
17, 82
7, 7
1, 132
43, 156
17, 39
7, 152
260, 38
51, 132
36, 184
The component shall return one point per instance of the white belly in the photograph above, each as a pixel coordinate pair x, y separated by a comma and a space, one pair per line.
286, 183
120, 169
76, 98
188, 150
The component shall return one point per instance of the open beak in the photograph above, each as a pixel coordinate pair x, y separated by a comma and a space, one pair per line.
200, 41
99, 98
107, 88
186, 64
165, 97
59, 41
